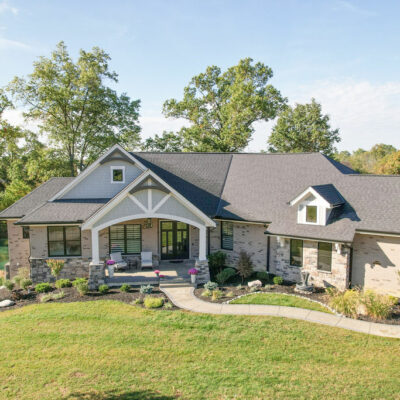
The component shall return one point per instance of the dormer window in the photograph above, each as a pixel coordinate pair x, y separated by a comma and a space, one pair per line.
117, 174
311, 214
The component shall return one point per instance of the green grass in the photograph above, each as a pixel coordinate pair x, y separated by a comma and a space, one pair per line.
111, 350
3, 253
276, 299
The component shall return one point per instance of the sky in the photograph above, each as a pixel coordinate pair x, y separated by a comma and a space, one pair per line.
344, 53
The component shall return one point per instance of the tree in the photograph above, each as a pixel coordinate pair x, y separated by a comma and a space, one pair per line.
303, 128
168, 142
222, 107
389, 165
79, 113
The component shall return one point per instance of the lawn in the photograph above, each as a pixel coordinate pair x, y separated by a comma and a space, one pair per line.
3, 253
277, 299
111, 350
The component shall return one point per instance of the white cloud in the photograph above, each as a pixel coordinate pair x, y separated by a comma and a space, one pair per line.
365, 113
15, 117
5, 7
7, 44
343, 5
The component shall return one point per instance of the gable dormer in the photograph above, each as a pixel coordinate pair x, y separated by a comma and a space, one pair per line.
316, 203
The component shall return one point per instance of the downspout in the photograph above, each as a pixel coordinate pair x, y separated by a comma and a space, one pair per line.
268, 250
208, 241
350, 266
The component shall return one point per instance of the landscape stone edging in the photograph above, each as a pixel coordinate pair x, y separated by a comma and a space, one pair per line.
288, 294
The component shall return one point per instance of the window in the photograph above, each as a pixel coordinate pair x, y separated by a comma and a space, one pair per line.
117, 174
64, 241
324, 256
227, 235
25, 232
296, 252
126, 239
311, 214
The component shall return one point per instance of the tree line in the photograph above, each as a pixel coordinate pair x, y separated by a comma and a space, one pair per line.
78, 115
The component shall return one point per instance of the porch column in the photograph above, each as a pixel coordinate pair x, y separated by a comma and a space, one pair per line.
95, 247
203, 243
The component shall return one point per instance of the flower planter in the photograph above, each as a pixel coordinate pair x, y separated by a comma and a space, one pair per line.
193, 278
110, 271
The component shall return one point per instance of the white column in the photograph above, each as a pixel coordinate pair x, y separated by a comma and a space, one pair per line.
202, 243
95, 247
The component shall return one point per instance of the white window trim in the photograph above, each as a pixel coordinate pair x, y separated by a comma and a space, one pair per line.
114, 167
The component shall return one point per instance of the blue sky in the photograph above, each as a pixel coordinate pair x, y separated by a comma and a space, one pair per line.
344, 53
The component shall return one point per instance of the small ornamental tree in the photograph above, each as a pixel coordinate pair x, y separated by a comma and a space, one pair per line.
55, 266
244, 265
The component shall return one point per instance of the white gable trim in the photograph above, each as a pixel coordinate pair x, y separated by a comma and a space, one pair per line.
92, 167
125, 193
306, 193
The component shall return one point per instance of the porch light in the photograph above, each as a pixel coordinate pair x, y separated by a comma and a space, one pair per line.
148, 224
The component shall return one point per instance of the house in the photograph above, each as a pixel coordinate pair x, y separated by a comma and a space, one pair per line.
290, 212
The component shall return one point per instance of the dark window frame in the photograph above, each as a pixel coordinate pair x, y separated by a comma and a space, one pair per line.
224, 234
319, 257
25, 234
125, 239
290, 256
316, 214
64, 241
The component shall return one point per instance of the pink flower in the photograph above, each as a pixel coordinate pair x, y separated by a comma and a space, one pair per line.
162, 276
110, 262
193, 271
157, 272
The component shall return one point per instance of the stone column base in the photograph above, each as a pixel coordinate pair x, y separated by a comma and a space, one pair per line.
96, 275
204, 272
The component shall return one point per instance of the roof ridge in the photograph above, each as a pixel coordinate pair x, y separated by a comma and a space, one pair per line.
227, 153
223, 185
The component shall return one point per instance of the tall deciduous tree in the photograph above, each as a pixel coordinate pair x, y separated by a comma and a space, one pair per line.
390, 164
70, 100
168, 141
303, 128
222, 106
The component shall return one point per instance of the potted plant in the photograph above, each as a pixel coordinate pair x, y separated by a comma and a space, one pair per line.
193, 273
110, 266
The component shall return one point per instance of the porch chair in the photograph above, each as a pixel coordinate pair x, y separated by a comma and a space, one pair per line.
119, 261
146, 259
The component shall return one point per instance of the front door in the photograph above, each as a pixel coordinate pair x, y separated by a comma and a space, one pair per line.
174, 240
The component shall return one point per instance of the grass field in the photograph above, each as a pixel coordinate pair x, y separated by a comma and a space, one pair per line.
110, 350
3, 253
276, 299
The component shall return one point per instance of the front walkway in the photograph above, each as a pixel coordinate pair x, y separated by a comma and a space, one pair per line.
183, 297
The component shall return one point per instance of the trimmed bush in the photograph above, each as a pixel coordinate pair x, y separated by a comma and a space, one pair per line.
25, 283
263, 276
216, 262
216, 294
103, 289
9, 284
244, 265
146, 289
63, 283
78, 281
82, 287
211, 285
278, 280
125, 288
378, 306
153, 302
43, 287
225, 275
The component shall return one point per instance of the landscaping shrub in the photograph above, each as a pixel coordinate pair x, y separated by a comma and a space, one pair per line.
168, 305
17, 280
225, 275
211, 285
216, 294
138, 301
263, 276
103, 289
146, 289
1, 280
43, 287
230, 294
244, 265
278, 280
45, 298
59, 295
78, 281
9, 284
125, 288
377, 306
25, 283
153, 302
63, 283
24, 272
254, 289
206, 293
346, 302
55, 266
216, 262
82, 287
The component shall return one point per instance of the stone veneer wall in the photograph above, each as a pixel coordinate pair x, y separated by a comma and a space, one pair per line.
247, 237
376, 263
18, 249
280, 264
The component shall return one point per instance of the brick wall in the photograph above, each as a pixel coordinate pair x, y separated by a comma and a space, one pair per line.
18, 248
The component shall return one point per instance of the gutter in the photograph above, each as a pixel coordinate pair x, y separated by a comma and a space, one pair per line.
309, 238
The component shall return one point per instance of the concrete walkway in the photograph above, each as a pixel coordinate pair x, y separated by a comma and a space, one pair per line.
183, 297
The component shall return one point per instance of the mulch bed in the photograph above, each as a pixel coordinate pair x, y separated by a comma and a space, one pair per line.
22, 298
319, 295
